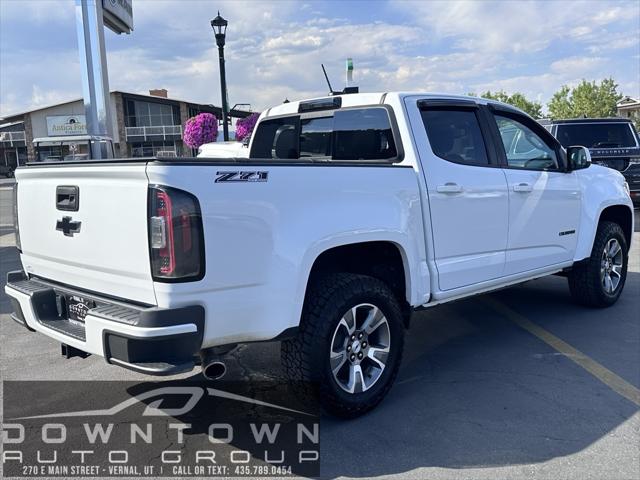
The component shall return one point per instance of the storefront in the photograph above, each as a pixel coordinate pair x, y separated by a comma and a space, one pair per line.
143, 126
13, 150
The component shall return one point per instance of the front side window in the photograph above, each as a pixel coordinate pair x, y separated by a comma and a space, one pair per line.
353, 134
523, 147
455, 135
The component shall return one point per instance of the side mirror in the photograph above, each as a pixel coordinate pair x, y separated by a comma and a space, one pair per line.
246, 140
578, 158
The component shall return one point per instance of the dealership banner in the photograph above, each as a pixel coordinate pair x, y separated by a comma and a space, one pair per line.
158, 429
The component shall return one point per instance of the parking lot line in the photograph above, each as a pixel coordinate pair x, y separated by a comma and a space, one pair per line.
606, 376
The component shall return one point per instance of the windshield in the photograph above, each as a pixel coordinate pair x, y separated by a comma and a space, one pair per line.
63, 151
596, 135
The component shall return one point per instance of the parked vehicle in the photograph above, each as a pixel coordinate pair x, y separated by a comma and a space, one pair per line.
351, 212
612, 142
72, 148
7, 170
224, 150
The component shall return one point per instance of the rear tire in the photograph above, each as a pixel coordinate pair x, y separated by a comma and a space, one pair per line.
598, 281
349, 365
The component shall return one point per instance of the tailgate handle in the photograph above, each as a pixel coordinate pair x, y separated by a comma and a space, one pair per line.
67, 198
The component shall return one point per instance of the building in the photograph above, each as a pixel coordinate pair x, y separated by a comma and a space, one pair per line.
628, 107
143, 125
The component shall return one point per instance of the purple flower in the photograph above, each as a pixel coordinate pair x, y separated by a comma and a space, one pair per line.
201, 129
245, 126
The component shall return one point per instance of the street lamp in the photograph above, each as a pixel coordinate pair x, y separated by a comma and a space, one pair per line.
219, 26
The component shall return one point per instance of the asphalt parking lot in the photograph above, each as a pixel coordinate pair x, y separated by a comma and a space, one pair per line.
521, 383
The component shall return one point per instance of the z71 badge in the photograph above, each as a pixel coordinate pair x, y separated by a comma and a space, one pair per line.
241, 177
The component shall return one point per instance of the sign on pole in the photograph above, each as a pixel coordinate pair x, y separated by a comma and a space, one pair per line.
118, 15
349, 71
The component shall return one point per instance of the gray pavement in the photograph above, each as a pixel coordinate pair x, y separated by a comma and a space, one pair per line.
477, 395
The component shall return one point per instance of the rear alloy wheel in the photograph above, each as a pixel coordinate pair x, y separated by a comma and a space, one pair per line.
598, 280
349, 345
360, 348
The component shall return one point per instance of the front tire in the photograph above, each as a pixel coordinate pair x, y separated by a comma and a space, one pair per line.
598, 281
349, 345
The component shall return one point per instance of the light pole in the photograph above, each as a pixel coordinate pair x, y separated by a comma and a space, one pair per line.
219, 26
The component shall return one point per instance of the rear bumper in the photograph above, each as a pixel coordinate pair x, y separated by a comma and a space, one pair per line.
150, 340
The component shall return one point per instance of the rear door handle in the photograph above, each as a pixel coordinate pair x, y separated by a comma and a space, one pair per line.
522, 187
449, 187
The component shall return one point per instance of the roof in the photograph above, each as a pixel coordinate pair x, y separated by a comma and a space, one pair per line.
69, 138
10, 124
590, 120
170, 99
627, 102
361, 99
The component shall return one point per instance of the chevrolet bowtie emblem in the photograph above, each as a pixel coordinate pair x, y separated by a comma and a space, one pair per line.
68, 226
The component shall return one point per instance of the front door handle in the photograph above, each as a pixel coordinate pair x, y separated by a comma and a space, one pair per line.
522, 187
449, 187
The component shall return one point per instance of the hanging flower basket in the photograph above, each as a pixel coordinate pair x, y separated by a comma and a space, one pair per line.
245, 126
201, 129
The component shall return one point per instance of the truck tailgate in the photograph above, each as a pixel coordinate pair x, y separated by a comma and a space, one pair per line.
107, 252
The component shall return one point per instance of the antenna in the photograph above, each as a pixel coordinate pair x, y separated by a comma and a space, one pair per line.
331, 92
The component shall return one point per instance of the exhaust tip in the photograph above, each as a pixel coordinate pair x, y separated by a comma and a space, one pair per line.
214, 370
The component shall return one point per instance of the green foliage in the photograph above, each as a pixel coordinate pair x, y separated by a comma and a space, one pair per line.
518, 100
588, 99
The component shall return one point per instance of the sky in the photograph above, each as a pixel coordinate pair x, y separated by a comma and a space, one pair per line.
275, 48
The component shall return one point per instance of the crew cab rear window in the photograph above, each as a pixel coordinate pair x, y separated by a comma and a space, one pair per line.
596, 135
455, 135
353, 134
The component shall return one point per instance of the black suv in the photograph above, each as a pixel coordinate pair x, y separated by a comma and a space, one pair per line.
613, 142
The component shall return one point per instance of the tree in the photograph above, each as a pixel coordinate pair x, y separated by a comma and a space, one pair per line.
588, 99
635, 118
517, 100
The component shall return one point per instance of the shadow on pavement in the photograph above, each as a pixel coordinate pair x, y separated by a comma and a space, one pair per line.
475, 390
490, 396
9, 261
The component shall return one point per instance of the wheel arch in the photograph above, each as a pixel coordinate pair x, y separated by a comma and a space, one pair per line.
619, 213
623, 216
386, 260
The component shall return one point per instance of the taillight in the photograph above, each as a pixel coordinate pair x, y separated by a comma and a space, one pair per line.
16, 227
175, 235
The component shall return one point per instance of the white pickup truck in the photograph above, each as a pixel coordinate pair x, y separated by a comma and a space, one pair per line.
350, 212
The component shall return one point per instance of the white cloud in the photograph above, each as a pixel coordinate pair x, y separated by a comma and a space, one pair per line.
38, 11
515, 26
275, 48
577, 66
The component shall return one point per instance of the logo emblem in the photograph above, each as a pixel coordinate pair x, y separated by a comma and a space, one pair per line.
251, 176
68, 226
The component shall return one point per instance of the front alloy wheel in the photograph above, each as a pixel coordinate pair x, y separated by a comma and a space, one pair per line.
598, 281
611, 266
